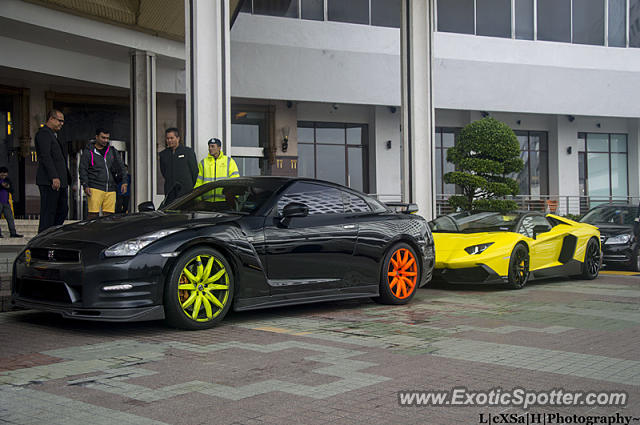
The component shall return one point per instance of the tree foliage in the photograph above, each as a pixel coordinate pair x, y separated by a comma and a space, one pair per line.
486, 152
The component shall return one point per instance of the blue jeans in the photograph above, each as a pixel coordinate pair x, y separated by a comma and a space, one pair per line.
8, 214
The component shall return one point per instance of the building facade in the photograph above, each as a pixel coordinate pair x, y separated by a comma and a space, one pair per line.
316, 89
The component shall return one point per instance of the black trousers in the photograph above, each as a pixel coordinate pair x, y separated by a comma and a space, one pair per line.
53, 207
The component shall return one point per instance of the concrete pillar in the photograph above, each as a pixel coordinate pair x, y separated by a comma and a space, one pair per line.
633, 146
388, 153
142, 165
418, 174
208, 69
564, 178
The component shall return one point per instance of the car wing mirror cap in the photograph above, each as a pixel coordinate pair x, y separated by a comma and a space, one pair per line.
295, 209
539, 229
146, 206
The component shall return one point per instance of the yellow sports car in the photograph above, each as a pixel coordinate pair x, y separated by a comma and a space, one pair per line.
512, 248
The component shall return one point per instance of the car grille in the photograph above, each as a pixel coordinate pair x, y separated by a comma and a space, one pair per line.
55, 255
43, 290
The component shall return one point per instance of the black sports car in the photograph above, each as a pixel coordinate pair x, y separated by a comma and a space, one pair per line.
618, 233
244, 243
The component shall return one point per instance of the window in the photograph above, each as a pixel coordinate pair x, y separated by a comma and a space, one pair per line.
445, 139
524, 19
634, 23
534, 177
287, 8
248, 166
313, 9
493, 18
531, 221
554, 20
588, 22
320, 199
249, 137
456, 16
386, 13
354, 204
617, 23
603, 165
333, 151
352, 11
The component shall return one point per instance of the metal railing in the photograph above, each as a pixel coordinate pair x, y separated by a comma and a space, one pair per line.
560, 205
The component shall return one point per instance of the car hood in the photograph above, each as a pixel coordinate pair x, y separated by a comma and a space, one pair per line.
614, 229
117, 228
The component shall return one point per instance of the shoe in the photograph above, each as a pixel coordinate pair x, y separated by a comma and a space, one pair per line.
15, 235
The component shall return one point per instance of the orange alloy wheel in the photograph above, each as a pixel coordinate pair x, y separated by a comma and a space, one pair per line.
402, 274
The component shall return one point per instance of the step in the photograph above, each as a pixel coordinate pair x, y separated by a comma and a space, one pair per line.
27, 228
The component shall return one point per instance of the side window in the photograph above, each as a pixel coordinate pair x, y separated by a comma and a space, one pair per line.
320, 199
531, 221
354, 203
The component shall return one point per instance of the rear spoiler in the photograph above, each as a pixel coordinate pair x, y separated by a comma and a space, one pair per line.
402, 207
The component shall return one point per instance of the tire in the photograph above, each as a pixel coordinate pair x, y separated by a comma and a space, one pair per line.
400, 275
518, 267
199, 291
592, 260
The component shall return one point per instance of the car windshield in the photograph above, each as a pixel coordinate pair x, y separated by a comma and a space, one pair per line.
614, 214
488, 222
236, 196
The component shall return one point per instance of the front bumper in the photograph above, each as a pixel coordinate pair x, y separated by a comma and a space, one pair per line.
477, 274
76, 289
618, 254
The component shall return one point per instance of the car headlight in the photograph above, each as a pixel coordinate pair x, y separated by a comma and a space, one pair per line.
477, 249
132, 246
618, 239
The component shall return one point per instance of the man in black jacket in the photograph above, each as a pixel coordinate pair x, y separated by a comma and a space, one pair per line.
178, 166
52, 176
101, 171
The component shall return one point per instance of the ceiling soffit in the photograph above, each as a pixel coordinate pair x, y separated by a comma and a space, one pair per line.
163, 18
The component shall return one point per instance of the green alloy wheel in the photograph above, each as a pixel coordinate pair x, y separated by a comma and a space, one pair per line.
199, 291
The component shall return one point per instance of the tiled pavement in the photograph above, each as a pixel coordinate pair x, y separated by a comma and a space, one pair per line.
337, 363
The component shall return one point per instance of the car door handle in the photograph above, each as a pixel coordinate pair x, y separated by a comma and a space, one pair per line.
349, 226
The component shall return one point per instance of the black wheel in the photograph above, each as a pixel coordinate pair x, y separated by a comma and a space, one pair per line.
518, 267
400, 275
592, 260
199, 291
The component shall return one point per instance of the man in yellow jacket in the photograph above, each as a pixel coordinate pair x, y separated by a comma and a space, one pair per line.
216, 166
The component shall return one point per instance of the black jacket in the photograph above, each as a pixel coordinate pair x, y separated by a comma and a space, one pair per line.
179, 169
52, 159
101, 172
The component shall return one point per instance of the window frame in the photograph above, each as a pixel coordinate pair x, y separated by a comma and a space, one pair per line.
344, 126
585, 160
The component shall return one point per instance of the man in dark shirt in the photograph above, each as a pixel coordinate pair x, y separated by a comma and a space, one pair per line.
52, 176
5, 207
178, 166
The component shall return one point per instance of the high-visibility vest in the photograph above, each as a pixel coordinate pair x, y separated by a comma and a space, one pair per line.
211, 169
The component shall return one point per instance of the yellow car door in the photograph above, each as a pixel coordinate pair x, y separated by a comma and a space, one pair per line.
545, 241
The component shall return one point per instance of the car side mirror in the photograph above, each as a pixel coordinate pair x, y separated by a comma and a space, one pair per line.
293, 209
539, 229
146, 206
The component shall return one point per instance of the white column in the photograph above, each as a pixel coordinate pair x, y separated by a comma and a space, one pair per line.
142, 165
633, 161
418, 174
564, 177
208, 69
